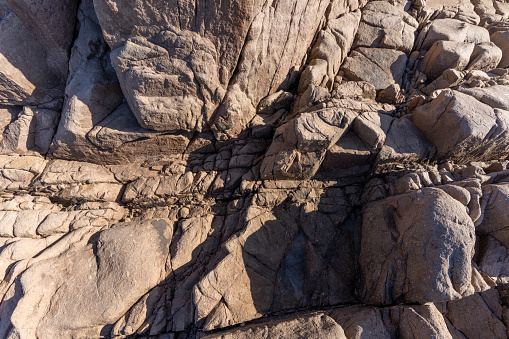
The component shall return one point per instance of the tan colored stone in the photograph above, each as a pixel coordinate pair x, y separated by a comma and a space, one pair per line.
94, 283
379, 66
312, 327
433, 273
459, 126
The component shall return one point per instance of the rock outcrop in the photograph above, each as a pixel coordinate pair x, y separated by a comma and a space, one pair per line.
250, 169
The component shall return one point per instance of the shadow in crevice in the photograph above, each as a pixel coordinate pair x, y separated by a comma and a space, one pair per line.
295, 256
299, 255
316, 258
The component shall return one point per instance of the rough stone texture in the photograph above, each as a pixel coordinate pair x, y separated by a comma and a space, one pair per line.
485, 57
33, 130
113, 271
172, 72
460, 126
452, 30
444, 55
501, 39
251, 169
404, 143
380, 67
416, 248
385, 25
26, 77
494, 214
313, 327
330, 50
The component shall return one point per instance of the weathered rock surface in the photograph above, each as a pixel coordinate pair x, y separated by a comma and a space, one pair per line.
250, 169
385, 25
35, 37
444, 55
172, 72
318, 326
412, 251
299, 145
460, 126
380, 67
109, 274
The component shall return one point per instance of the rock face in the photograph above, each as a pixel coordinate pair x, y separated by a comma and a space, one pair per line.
251, 169
421, 252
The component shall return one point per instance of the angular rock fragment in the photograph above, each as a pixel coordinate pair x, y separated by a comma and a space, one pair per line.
330, 50
348, 152
172, 73
486, 56
452, 30
444, 55
380, 67
404, 143
449, 78
95, 100
461, 127
386, 26
299, 145
372, 128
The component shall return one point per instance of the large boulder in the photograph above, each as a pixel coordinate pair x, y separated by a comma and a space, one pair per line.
81, 291
171, 81
416, 247
452, 30
190, 51
444, 55
485, 57
501, 39
385, 25
95, 122
463, 128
